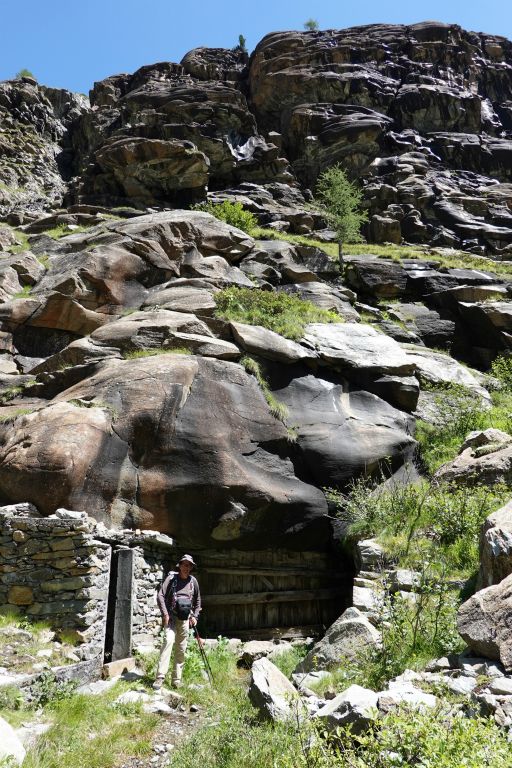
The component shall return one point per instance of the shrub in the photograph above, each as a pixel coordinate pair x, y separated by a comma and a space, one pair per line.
501, 369
414, 521
340, 200
24, 73
232, 213
437, 738
311, 25
48, 690
459, 411
275, 310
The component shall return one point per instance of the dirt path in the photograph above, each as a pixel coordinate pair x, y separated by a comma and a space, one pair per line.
171, 731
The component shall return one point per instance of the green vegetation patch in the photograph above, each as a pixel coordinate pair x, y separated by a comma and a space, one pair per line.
232, 213
277, 311
277, 409
460, 412
138, 353
90, 731
422, 522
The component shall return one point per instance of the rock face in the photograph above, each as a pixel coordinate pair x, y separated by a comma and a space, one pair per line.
35, 161
139, 411
378, 100
428, 133
484, 622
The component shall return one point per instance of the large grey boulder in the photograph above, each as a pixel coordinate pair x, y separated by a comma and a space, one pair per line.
260, 341
11, 748
484, 622
356, 707
347, 638
271, 692
496, 547
437, 368
402, 694
472, 466
340, 433
349, 346
131, 444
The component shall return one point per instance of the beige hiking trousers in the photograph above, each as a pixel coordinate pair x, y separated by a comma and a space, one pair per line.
177, 634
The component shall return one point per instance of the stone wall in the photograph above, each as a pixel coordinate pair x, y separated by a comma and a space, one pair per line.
58, 569
54, 569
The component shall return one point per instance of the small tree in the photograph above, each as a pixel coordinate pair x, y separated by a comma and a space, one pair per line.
242, 44
340, 200
311, 25
24, 73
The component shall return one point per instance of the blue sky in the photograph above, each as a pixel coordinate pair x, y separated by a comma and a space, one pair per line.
72, 43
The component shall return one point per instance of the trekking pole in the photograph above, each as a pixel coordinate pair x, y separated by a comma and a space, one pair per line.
204, 656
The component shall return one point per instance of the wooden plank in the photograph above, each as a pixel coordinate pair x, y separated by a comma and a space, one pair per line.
289, 596
262, 571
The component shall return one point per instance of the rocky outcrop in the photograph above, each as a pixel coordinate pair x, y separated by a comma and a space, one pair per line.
35, 157
114, 359
426, 132
349, 636
484, 622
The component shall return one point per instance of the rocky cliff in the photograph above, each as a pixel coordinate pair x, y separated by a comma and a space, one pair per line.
421, 115
191, 442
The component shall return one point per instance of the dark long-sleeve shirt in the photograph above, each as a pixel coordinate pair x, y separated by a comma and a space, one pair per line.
184, 588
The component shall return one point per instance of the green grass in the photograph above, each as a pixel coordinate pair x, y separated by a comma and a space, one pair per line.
288, 659
22, 244
457, 260
277, 311
277, 409
14, 414
61, 230
24, 293
460, 413
138, 353
89, 731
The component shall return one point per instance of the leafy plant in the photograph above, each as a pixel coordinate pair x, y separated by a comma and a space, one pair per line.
437, 738
311, 25
232, 213
47, 689
242, 44
275, 310
340, 200
501, 369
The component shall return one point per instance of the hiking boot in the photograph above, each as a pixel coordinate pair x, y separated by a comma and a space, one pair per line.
158, 683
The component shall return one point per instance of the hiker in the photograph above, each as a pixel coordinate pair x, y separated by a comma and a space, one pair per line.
179, 601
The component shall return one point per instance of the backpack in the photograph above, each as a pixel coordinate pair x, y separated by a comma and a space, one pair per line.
181, 605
